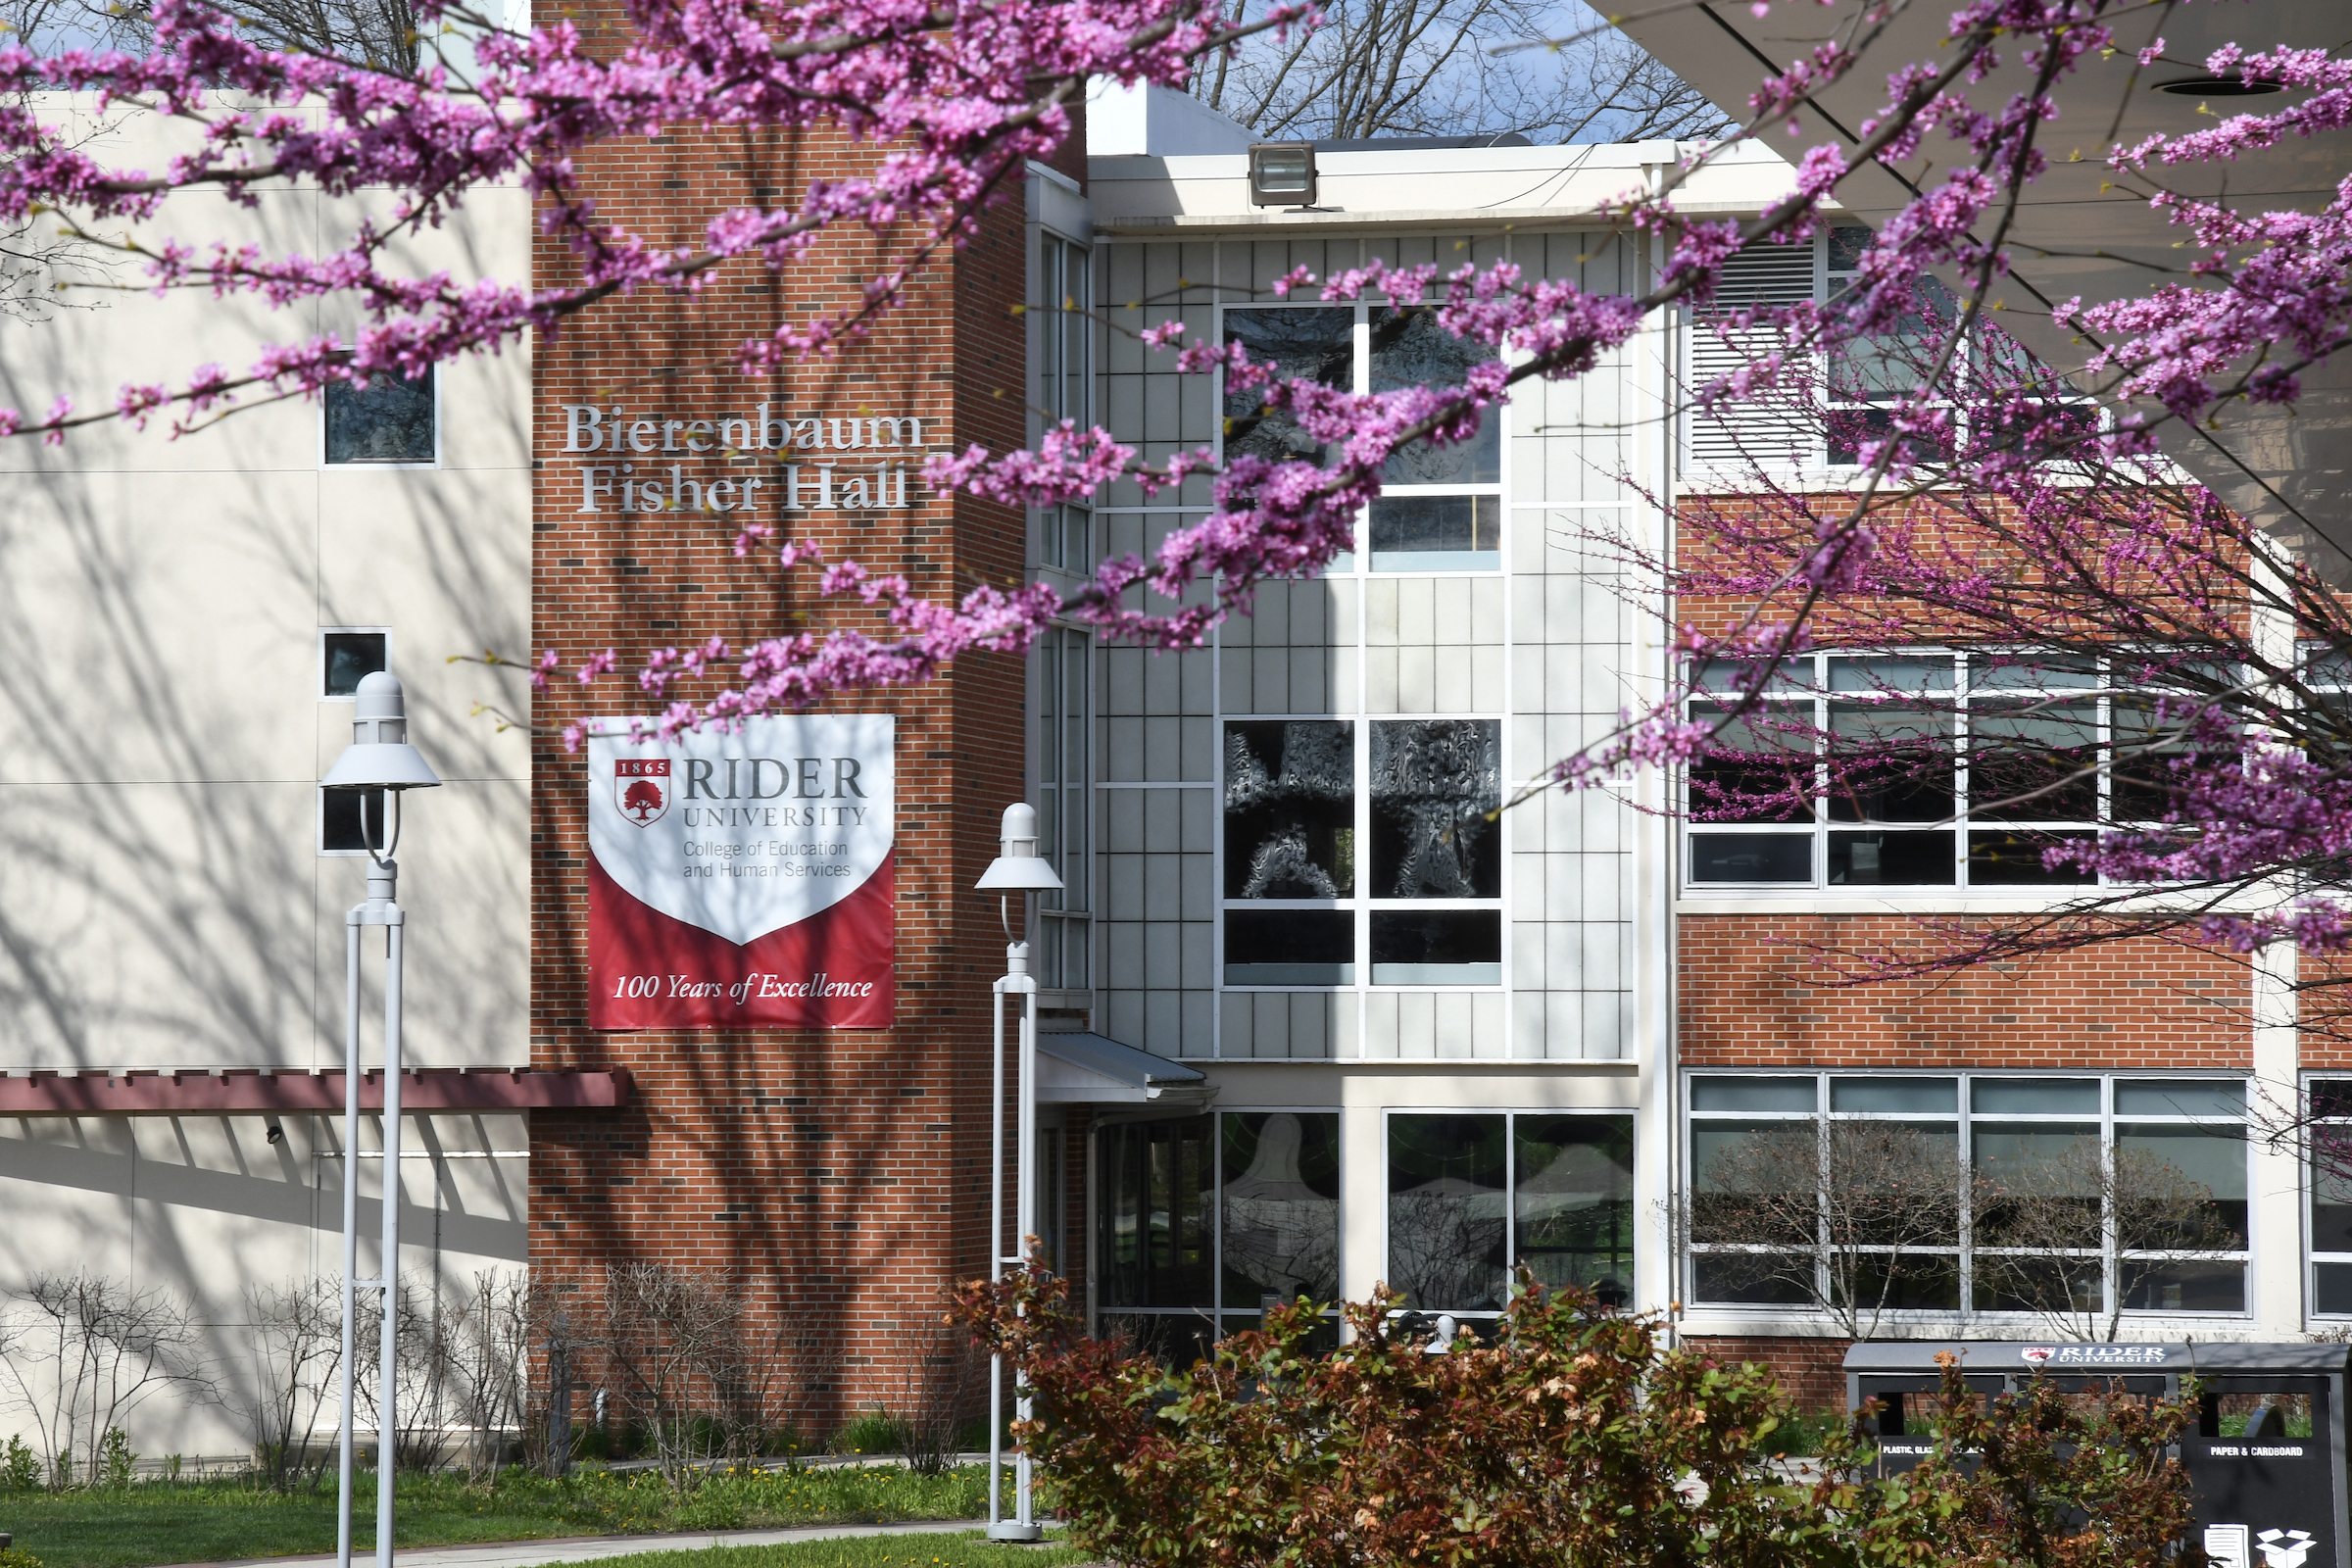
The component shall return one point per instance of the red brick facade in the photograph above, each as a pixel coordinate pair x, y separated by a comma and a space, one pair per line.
1754, 992
841, 1177
1810, 1371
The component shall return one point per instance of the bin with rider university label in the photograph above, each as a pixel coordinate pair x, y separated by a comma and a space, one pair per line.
2265, 1460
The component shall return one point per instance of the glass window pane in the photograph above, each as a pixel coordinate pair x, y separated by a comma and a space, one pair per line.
2027, 1284
1746, 1279
1894, 860
1889, 762
1753, 1183
1155, 1227
340, 828
352, 657
1733, 858
1289, 948
2043, 1186
1436, 533
1282, 1207
2000, 858
1434, 785
2033, 1097
1437, 947
1316, 344
1729, 675
1411, 347
1916, 1094
1753, 1094
2331, 1292
2179, 1097
2034, 761
1446, 1211
2184, 1287
2033, 672
1575, 1201
1880, 673
391, 421
1290, 809
1755, 767
2181, 1189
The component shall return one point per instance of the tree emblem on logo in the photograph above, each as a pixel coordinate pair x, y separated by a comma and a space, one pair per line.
641, 788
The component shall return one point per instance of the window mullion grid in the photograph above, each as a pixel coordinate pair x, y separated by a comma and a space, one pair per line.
1510, 1201
2110, 1238
1216, 1222
1964, 1141
1821, 1208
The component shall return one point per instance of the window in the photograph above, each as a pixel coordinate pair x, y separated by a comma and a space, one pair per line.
347, 657
1424, 899
1063, 661
1203, 1220
1790, 424
1440, 507
339, 824
391, 420
1919, 770
1470, 1195
2074, 1199
2331, 1197
1060, 326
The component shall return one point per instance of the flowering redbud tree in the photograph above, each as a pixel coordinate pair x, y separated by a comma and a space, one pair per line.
954, 96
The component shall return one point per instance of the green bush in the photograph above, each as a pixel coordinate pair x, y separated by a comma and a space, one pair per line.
117, 1462
876, 1430
18, 1557
20, 1467
1576, 1435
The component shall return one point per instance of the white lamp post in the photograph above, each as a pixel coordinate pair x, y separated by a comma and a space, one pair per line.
379, 758
1017, 869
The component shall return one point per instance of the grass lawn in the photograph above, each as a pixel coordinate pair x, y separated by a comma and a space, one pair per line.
165, 1522
972, 1550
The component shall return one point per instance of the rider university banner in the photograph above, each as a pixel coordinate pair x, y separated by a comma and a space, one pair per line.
742, 880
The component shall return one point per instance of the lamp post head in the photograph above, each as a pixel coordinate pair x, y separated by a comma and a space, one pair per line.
379, 756
1018, 868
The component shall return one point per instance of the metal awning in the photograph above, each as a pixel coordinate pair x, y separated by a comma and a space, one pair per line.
1083, 1069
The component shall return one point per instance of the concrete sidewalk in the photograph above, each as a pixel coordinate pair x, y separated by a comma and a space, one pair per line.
579, 1548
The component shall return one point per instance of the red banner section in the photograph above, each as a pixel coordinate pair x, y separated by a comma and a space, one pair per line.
830, 971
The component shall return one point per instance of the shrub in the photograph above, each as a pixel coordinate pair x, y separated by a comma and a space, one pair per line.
20, 1466
18, 1557
1577, 1436
875, 1431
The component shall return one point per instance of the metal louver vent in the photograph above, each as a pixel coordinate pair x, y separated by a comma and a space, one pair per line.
1768, 429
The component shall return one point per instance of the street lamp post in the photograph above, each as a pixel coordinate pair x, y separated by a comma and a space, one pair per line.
1017, 869
379, 759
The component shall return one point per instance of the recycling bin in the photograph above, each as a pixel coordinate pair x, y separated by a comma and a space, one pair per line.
2264, 1461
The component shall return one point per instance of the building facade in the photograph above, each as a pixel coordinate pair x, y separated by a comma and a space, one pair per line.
1312, 1019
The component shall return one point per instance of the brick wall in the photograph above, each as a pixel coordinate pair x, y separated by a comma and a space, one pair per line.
1754, 993
838, 1176
1810, 1371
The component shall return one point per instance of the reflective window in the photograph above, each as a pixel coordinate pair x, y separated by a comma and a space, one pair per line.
1316, 344
1471, 1195
348, 657
389, 420
2069, 1201
1204, 1221
1064, 659
1924, 770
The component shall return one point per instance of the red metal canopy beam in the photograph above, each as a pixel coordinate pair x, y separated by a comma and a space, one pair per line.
164, 1092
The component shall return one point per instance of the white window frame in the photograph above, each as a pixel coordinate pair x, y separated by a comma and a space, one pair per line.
440, 430
1965, 1116
1510, 1190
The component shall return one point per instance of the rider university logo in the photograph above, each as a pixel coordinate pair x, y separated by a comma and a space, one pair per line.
641, 788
